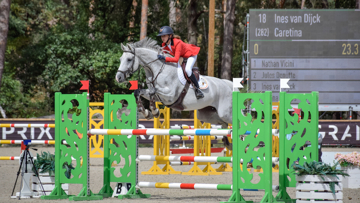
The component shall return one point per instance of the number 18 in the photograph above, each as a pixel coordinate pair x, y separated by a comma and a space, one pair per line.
263, 18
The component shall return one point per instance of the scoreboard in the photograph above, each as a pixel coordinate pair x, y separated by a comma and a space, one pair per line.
318, 50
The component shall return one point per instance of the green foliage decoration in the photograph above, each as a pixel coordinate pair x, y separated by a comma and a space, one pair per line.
321, 169
45, 163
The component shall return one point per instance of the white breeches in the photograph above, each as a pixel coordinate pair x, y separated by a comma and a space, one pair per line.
190, 64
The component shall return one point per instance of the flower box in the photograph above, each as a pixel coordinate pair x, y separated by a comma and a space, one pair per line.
48, 183
352, 181
312, 188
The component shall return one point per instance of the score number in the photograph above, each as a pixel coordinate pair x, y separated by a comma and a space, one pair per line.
349, 49
256, 49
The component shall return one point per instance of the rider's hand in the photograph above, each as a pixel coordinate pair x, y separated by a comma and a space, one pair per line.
161, 57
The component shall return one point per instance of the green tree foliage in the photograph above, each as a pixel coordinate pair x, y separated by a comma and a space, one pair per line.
53, 44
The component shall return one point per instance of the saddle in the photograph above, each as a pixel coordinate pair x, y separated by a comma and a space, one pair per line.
195, 71
178, 103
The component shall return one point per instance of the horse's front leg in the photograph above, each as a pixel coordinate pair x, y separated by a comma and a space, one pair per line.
154, 111
141, 108
150, 94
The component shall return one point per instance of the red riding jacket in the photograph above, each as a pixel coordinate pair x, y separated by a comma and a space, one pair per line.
180, 49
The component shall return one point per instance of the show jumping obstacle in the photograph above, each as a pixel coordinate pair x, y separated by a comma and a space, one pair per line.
32, 141
17, 125
242, 149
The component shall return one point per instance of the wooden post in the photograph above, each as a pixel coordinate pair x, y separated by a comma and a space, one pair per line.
211, 38
144, 9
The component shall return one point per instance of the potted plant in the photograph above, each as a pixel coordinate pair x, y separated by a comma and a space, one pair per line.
351, 164
317, 180
45, 163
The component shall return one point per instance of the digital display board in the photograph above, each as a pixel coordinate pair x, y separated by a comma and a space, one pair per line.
318, 50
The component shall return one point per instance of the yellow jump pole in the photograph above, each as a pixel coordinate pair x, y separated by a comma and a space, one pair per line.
95, 142
161, 145
203, 144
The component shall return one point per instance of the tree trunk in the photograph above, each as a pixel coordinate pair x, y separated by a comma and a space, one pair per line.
4, 27
228, 40
144, 9
302, 4
172, 14
192, 22
132, 19
282, 3
221, 40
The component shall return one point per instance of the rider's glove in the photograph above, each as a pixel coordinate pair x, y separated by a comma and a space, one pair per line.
161, 57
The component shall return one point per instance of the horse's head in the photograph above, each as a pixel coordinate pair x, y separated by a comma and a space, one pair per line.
129, 63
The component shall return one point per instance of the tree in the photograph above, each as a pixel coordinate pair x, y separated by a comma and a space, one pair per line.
4, 27
227, 54
172, 13
193, 16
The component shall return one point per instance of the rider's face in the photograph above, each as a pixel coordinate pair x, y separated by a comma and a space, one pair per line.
165, 38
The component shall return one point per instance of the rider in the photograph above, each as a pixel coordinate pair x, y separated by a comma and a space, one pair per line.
179, 49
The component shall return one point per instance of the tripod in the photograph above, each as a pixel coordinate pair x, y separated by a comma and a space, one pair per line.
27, 157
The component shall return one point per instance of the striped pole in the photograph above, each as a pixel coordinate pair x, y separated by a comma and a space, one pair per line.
32, 142
9, 157
192, 186
274, 160
201, 132
18, 158
181, 163
16, 125
181, 138
186, 158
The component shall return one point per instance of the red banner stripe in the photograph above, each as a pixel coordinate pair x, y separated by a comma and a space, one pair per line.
187, 158
12, 141
187, 185
46, 125
12, 125
46, 141
12, 158
139, 132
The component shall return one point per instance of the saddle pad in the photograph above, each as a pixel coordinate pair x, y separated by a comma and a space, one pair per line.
202, 81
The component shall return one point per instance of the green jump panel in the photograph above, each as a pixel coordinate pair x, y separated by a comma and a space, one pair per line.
294, 149
120, 112
72, 128
253, 146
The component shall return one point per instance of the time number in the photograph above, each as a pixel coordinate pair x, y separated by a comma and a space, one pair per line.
349, 49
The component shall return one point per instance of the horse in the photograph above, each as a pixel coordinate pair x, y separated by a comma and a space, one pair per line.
164, 86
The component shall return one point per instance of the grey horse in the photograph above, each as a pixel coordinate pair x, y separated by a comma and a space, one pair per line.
164, 85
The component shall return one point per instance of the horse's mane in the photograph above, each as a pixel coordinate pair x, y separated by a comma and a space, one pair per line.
148, 43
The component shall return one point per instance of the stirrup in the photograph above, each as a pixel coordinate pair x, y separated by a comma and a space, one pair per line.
198, 93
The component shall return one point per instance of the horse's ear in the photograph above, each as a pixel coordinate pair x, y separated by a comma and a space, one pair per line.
130, 48
124, 48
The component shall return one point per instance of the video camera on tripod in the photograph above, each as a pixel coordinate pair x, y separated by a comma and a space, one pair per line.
26, 170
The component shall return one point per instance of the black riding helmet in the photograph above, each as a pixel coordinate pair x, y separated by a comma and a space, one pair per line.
165, 30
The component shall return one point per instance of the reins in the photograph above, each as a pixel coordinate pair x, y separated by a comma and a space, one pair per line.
145, 65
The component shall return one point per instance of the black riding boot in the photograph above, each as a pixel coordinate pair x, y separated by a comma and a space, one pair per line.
198, 92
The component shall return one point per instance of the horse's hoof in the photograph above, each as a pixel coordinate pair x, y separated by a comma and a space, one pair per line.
156, 114
147, 114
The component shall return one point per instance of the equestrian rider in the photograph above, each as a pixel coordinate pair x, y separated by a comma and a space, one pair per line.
179, 49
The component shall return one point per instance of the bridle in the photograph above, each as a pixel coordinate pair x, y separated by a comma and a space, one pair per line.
131, 71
